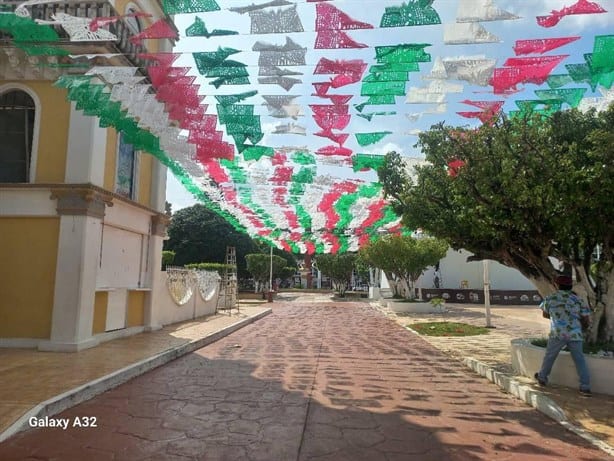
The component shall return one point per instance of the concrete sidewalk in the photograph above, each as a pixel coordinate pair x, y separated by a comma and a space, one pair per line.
592, 418
42, 384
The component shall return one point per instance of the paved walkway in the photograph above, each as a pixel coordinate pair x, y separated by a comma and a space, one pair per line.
595, 415
326, 382
30, 377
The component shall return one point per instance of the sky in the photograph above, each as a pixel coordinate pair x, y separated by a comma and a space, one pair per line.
402, 138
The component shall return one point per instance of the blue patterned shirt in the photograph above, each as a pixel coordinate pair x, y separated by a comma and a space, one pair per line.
565, 309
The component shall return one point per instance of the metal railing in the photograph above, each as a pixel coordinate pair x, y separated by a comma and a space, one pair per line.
87, 9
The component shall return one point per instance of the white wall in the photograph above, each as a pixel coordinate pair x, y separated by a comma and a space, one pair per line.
454, 268
167, 311
125, 248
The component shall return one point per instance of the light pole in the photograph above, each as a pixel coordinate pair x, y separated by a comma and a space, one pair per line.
487, 292
270, 297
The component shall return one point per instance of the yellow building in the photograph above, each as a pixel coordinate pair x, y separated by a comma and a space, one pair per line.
81, 212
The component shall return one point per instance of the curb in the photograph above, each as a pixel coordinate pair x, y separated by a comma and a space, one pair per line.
536, 399
93, 388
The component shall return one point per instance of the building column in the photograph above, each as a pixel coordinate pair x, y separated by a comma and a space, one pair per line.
159, 224
86, 152
81, 213
157, 233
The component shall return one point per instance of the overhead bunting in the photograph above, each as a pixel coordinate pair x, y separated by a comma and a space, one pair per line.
228, 72
282, 106
488, 113
97, 23
411, 13
481, 10
598, 103
276, 21
477, 70
253, 7
523, 70
330, 26
198, 29
542, 45
434, 93
571, 96
580, 7
159, 29
247, 151
363, 162
467, 33
79, 29
365, 139
189, 6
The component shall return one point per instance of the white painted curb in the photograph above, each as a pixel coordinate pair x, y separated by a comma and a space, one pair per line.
536, 399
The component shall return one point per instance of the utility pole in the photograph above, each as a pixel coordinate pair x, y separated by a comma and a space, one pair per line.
487, 292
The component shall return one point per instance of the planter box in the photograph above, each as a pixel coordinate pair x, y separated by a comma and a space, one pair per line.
527, 360
415, 308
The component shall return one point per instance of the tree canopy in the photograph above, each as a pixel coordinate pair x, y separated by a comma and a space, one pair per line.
404, 256
338, 267
197, 234
259, 265
520, 191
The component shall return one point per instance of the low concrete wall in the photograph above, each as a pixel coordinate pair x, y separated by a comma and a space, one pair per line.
527, 360
415, 308
167, 311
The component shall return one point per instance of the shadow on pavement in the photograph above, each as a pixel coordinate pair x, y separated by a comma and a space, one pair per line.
306, 383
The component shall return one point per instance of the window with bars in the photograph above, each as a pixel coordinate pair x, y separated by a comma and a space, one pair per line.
126, 174
17, 110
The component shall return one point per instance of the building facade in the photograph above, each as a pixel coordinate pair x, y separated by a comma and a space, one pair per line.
81, 211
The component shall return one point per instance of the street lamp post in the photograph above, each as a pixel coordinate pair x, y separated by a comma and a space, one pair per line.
487, 292
270, 297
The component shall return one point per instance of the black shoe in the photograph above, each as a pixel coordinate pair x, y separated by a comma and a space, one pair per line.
539, 380
586, 393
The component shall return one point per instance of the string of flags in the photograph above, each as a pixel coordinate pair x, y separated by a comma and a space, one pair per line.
229, 112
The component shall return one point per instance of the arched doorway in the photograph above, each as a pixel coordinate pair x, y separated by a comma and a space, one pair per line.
17, 111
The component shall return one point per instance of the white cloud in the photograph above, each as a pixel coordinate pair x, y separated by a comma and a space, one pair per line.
382, 150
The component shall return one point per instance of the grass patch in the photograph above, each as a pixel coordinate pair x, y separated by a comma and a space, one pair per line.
448, 329
586, 347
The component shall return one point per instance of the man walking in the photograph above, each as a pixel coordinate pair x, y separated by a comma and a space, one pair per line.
569, 316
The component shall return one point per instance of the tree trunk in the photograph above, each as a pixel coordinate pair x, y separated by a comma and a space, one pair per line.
543, 285
600, 296
393, 283
409, 283
608, 300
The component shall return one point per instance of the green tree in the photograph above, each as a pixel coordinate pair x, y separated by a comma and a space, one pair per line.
527, 189
339, 268
403, 258
167, 258
290, 258
197, 234
259, 265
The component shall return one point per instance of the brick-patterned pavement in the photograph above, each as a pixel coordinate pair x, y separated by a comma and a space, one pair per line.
494, 350
326, 382
594, 415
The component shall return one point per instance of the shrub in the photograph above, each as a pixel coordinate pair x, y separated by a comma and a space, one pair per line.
167, 258
220, 268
